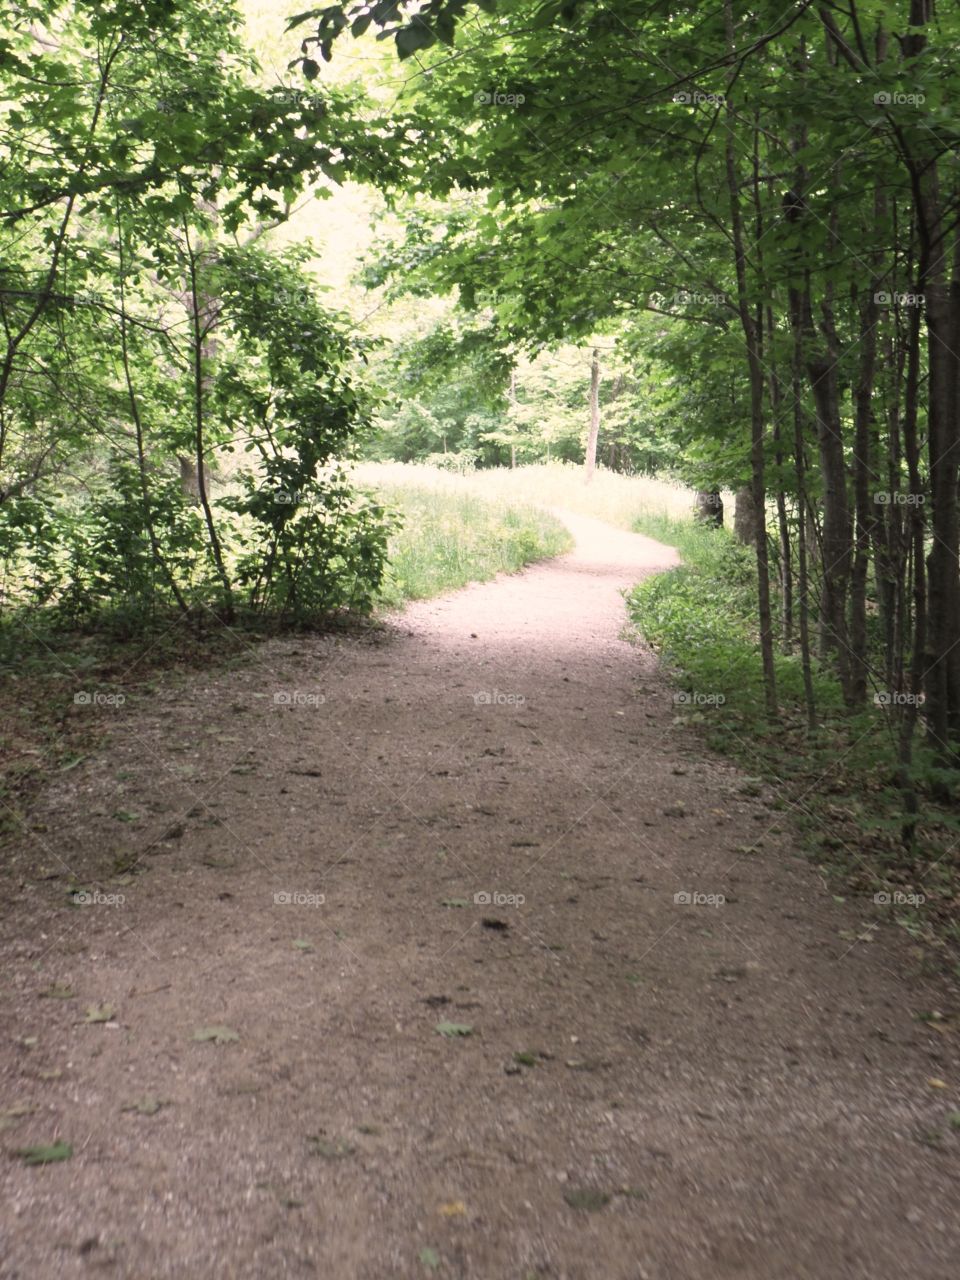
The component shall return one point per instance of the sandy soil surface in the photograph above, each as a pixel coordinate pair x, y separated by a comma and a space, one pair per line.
651, 1089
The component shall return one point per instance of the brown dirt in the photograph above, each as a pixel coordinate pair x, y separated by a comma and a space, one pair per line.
747, 1083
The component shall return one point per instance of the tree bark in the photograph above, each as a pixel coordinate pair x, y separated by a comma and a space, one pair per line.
745, 517
709, 507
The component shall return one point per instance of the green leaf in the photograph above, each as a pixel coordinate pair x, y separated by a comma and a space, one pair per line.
46, 1154
145, 1107
298, 19
586, 1198
218, 1035
429, 1257
412, 38
451, 1029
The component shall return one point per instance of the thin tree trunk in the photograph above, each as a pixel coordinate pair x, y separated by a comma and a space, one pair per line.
803, 576
863, 479
199, 322
917, 569
158, 557
783, 523
590, 462
755, 367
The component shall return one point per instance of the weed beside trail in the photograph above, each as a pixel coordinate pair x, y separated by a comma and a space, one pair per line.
455, 530
840, 782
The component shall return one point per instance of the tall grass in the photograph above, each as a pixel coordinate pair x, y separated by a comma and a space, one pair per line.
618, 499
453, 532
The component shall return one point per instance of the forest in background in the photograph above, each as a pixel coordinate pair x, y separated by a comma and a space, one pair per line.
712, 244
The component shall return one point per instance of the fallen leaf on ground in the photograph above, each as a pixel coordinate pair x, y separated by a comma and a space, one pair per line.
100, 1013
586, 1198
451, 1029
430, 1258
58, 991
12, 1114
219, 1035
145, 1107
453, 1209
329, 1149
633, 1193
46, 1154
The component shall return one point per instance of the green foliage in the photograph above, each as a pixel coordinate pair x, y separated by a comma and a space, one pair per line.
163, 376
451, 535
701, 617
311, 553
112, 571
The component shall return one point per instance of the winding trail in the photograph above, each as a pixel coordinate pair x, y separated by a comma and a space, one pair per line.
704, 1091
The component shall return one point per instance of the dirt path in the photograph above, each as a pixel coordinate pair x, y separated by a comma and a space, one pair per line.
749, 1087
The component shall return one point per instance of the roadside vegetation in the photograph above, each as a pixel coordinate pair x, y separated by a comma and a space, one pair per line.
452, 530
838, 779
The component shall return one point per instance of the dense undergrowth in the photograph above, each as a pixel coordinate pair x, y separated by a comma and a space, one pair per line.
842, 781
453, 530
